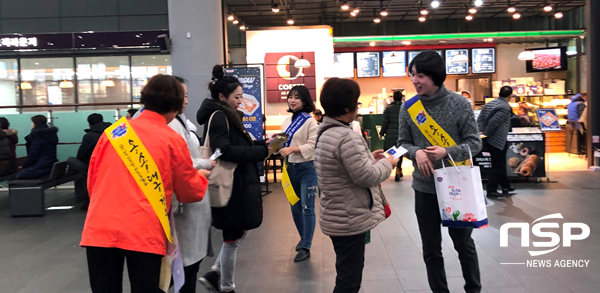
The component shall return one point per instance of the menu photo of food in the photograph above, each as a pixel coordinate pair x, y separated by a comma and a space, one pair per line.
249, 104
547, 59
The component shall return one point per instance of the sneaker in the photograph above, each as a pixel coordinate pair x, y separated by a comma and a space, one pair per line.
299, 245
494, 194
210, 282
303, 254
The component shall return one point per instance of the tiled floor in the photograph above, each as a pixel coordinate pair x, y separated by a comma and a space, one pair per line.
42, 254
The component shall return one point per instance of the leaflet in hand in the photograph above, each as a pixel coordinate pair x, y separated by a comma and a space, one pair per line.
395, 152
216, 155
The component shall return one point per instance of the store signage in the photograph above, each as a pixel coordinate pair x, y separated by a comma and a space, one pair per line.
251, 105
548, 119
367, 64
282, 76
456, 68
484, 60
21, 42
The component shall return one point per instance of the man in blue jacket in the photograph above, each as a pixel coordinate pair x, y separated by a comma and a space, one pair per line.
577, 106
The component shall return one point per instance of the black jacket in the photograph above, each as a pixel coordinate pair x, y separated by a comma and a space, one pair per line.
244, 210
89, 141
390, 125
41, 148
4, 147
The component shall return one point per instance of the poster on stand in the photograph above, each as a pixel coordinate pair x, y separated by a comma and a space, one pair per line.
251, 106
548, 119
525, 155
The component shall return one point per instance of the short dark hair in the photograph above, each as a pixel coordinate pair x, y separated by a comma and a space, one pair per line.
132, 111
339, 96
221, 84
163, 94
431, 64
398, 96
305, 97
4, 124
94, 119
506, 91
39, 120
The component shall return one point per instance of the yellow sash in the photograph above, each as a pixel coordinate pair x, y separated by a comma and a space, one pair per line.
434, 133
287, 186
142, 168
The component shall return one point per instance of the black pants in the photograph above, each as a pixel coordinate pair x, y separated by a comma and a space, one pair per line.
428, 217
349, 262
498, 172
191, 278
105, 266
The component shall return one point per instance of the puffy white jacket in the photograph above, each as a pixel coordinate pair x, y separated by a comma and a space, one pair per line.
348, 178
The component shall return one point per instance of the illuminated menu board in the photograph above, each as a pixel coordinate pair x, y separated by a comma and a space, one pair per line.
484, 60
413, 54
367, 64
456, 68
394, 63
343, 65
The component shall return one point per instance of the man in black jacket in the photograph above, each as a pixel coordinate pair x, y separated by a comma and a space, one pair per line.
390, 126
90, 139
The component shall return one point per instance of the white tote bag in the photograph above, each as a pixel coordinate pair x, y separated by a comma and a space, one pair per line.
460, 196
220, 181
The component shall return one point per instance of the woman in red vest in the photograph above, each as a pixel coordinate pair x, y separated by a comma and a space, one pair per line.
123, 221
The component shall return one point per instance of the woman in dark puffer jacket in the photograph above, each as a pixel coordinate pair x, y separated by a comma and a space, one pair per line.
41, 150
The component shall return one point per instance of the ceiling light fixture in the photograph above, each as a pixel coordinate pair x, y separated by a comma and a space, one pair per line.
26, 85
65, 84
558, 15
356, 10
345, 5
548, 8
230, 17
353, 13
242, 27
372, 44
424, 12
302, 63
383, 13
526, 55
107, 83
469, 17
290, 21
478, 3
517, 15
435, 3
406, 43
422, 19
275, 8
472, 10
376, 20
236, 21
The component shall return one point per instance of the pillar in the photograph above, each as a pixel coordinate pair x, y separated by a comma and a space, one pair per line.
196, 31
593, 75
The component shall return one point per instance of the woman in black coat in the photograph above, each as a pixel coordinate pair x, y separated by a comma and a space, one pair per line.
41, 150
244, 210
390, 126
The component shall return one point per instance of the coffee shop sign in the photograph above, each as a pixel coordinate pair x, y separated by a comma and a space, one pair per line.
21, 42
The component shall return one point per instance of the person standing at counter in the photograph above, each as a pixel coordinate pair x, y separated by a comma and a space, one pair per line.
456, 134
523, 113
494, 123
389, 128
299, 150
467, 95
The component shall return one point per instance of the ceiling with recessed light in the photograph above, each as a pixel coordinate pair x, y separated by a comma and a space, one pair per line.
260, 13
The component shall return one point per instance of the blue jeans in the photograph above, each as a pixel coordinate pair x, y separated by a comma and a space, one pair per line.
304, 181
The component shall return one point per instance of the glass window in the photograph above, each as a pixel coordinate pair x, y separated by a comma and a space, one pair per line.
50, 82
103, 80
9, 89
144, 67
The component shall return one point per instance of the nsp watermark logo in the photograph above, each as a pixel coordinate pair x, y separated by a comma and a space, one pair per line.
569, 234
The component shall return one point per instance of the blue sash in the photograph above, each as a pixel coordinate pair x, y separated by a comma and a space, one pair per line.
296, 124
